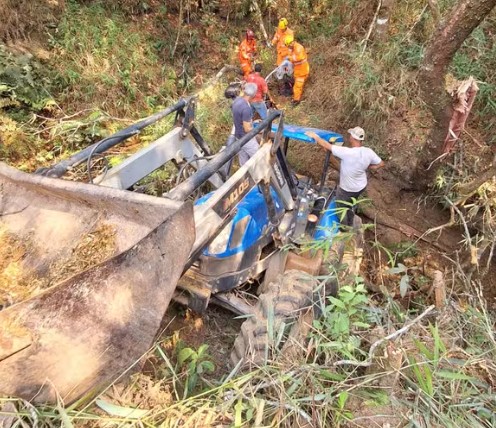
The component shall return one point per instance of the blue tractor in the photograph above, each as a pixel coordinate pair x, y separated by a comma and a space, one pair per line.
205, 240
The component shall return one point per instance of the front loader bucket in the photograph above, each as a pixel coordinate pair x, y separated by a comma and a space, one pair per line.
86, 275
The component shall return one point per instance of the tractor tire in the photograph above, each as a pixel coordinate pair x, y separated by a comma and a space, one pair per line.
282, 302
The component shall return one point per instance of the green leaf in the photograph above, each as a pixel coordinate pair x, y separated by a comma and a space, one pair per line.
346, 297
428, 380
192, 380
238, 407
395, 270
184, 354
208, 366
404, 284
423, 349
342, 398
447, 374
360, 288
202, 349
337, 302
120, 411
326, 374
343, 324
249, 414
360, 324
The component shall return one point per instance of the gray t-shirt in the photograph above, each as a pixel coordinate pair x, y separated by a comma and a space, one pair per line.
354, 163
242, 112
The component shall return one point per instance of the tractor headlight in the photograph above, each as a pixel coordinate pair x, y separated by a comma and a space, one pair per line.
221, 241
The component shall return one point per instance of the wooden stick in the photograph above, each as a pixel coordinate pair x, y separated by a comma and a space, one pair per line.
372, 25
179, 28
262, 26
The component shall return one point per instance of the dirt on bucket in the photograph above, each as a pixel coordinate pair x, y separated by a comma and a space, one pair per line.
19, 282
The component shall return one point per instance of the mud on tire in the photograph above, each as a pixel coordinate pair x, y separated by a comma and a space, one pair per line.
282, 302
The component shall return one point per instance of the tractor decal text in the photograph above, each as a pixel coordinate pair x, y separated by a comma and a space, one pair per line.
280, 179
234, 196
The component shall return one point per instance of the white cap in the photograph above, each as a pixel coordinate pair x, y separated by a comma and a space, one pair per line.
250, 89
357, 133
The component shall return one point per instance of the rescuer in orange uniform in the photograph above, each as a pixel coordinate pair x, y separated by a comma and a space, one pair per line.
278, 40
247, 51
298, 56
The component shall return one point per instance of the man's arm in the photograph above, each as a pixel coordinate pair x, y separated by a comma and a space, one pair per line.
375, 161
319, 141
265, 87
247, 126
275, 39
247, 118
377, 166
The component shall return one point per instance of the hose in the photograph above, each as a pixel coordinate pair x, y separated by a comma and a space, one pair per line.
94, 149
271, 73
183, 167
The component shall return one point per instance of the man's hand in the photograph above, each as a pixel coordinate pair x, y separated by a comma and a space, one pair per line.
312, 134
378, 166
318, 140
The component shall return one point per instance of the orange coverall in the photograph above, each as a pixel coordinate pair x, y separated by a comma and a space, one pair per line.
246, 52
298, 57
278, 41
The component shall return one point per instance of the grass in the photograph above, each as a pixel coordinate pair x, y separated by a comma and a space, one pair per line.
433, 379
98, 51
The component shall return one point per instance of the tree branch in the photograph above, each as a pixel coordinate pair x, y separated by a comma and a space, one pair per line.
468, 189
436, 14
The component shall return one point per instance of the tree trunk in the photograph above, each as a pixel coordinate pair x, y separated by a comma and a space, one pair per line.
459, 23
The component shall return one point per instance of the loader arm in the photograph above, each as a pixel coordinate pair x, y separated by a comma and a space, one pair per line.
262, 169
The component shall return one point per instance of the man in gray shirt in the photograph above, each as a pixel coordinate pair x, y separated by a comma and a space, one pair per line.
355, 160
243, 121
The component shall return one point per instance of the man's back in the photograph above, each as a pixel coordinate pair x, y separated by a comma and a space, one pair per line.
242, 112
354, 164
261, 86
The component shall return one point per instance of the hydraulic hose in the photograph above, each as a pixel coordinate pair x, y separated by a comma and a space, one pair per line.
59, 169
95, 147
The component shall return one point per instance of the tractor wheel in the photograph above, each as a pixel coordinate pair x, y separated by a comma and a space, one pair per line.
282, 302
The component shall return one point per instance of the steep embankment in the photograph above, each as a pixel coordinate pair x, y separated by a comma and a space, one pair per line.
104, 64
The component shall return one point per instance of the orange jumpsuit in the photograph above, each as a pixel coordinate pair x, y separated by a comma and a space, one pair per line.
246, 52
278, 41
298, 57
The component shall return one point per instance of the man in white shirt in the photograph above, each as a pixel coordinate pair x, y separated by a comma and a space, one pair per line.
355, 160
